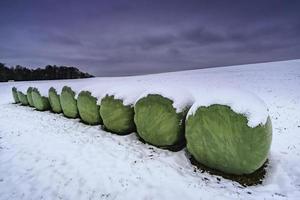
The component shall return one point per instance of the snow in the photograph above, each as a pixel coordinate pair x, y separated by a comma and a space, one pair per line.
239, 101
183, 92
47, 156
181, 98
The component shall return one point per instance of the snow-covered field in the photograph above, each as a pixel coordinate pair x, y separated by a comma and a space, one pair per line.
47, 156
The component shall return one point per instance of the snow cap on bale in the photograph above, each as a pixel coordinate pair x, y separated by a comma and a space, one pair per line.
54, 100
29, 97
117, 117
68, 102
88, 108
40, 102
23, 98
229, 130
160, 115
15, 95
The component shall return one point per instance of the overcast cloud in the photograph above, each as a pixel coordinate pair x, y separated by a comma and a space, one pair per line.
119, 37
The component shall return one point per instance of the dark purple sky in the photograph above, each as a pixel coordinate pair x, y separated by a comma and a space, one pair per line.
120, 37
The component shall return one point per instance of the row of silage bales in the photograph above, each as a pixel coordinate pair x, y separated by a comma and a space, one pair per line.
31, 97
228, 131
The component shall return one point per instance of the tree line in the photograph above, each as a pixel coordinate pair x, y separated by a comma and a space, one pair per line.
50, 72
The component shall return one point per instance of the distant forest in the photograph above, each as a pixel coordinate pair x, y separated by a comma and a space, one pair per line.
50, 72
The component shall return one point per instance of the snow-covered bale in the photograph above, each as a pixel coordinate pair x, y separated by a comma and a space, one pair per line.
54, 100
15, 95
68, 102
117, 117
88, 108
29, 97
40, 102
23, 98
229, 131
159, 117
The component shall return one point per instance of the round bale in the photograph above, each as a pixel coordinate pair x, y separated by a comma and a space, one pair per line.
68, 102
157, 121
40, 102
221, 139
88, 108
23, 98
117, 117
54, 100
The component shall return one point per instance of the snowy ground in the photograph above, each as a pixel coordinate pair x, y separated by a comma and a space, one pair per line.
46, 156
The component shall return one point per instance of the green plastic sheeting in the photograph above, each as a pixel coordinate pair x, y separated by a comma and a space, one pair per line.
117, 117
15, 95
23, 98
219, 138
88, 108
41, 103
54, 101
68, 102
157, 121
29, 97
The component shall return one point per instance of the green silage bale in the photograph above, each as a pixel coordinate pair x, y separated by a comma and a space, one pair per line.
23, 98
15, 95
117, 117
54, 100
221, 139
68, 102
29, 97
88, 108
157, 121
40, 102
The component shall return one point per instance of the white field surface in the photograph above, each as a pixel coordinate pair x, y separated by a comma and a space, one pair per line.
47, 156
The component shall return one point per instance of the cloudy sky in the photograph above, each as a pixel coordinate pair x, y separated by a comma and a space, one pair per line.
122, 37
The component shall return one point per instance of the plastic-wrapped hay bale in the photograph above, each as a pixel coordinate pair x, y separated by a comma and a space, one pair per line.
117, 117
54, 101
68, 102
231, 135
158, 122
29, 97
88, 108
23, 98
40, 102
15, 95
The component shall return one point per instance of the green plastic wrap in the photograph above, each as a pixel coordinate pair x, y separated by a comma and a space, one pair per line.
219, 138
23, 98
54, 101
41, 103
29, 97
68, 102
157, 121
117, 117
15, 95
88, 108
